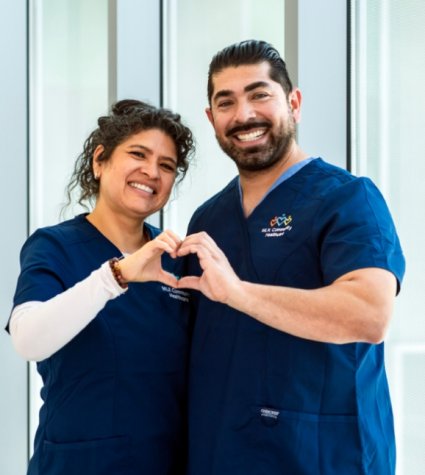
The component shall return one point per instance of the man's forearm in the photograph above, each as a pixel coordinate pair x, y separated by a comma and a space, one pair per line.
349, 310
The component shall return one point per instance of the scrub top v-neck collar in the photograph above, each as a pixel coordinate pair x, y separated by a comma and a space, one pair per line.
92, 229
291, 171
246, 241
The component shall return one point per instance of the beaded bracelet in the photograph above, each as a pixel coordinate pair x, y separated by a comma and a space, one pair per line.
114, 264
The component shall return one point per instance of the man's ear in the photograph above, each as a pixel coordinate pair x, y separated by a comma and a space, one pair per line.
295, 100
209, 115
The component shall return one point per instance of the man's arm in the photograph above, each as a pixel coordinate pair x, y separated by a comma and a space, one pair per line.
355, 307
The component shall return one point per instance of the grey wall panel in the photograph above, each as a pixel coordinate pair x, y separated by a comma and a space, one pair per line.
135, 55
136, 50
322, 78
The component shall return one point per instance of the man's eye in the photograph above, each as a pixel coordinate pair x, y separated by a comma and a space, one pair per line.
224, 104
260, 95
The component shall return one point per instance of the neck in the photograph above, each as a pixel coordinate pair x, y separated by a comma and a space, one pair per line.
124, 232
256, 184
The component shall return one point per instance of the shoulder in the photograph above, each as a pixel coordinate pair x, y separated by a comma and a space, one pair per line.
332, 184
217, 204
320, 178
60, 235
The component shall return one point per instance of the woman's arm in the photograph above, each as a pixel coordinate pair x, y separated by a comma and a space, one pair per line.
39, 329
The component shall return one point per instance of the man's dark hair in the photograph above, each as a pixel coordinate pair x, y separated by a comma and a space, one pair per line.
250, 52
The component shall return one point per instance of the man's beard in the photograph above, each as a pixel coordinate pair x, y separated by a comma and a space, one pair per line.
261, 157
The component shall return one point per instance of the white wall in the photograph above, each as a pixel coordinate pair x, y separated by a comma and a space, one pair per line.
13, 212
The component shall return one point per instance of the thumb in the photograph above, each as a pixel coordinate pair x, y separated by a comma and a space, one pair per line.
167, 279
189, 282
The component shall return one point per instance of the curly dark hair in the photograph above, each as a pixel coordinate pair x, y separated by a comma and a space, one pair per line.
249, 52
127, 117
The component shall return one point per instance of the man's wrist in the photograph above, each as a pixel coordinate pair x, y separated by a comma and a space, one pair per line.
238, 295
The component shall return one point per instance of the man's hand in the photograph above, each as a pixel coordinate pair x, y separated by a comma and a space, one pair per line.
355, 307
218, 280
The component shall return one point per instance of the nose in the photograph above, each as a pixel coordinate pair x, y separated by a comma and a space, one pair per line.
150, 168
244, 111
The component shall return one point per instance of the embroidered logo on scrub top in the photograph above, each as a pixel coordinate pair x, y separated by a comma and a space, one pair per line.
278, 226
176, 293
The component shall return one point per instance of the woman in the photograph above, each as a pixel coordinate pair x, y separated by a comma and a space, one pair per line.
112, 356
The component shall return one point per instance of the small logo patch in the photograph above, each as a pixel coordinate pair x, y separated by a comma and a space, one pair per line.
278, 226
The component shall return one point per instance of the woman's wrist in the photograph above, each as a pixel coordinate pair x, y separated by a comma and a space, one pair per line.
114, 264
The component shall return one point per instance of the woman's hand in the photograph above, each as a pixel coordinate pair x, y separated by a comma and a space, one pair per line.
145, 264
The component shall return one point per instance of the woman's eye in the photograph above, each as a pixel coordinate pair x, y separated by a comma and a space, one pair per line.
168, 168
138, 155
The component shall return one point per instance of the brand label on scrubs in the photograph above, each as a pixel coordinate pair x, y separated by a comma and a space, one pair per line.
269, 417
176, 293
278, 226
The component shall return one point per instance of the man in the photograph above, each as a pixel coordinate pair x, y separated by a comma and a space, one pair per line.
298, 264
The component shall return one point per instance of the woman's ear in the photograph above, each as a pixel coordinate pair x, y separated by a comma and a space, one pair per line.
97, 164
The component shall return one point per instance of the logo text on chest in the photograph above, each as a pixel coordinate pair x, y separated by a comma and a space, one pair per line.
278, 226
176, 293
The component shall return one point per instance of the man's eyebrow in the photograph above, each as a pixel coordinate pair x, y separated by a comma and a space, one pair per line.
248, 88
256, 84
222, 93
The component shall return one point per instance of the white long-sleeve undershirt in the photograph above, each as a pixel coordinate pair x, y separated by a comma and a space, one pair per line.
39, 329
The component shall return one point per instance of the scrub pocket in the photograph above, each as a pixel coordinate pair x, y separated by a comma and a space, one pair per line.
94, 457
279, 442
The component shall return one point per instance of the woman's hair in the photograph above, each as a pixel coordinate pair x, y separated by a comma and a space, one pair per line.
127, 117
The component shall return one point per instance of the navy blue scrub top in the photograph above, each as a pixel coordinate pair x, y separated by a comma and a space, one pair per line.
263, 402
115, 396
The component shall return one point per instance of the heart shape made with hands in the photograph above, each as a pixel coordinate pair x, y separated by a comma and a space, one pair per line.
217, 275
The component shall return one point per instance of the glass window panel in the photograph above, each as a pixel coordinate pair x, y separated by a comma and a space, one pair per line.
389, 108
195, 31
68, 91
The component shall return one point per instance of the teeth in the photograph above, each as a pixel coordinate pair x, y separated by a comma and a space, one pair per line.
139, 186
250, 135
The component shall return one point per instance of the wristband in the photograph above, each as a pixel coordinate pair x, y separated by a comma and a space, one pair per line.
114, 264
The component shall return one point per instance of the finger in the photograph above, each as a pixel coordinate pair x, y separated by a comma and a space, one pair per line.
162, 246
200, 239
172, 235
189, 282
201, 251
171, 239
